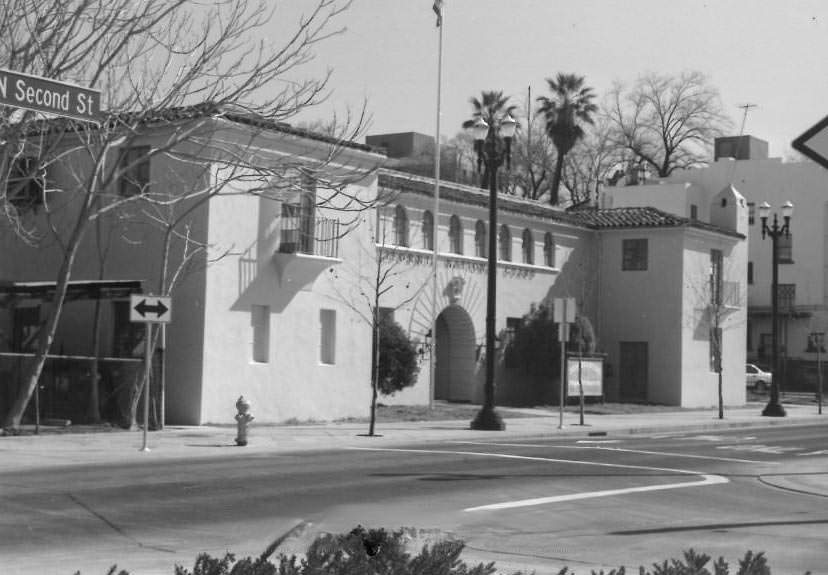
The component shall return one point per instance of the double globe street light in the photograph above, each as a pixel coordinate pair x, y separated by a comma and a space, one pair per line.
775, 231
493, 145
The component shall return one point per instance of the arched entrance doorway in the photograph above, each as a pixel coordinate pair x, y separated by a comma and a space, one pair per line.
455, 355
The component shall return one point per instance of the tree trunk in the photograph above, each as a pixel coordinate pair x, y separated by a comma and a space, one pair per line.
375, 373
93, 411
556, 181
47, 333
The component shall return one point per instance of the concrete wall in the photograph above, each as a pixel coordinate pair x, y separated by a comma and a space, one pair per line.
644, 306
293, 383
774, 181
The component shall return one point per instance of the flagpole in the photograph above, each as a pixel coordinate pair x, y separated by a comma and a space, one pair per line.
436, 218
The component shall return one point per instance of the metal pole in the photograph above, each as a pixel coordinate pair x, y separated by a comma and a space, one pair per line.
487, 418
774, 408
147, 358
432, 368
819, 374
562, 335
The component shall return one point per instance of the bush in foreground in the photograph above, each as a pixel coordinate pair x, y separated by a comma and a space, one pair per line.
378, 552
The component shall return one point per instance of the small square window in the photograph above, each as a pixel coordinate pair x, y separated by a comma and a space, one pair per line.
634, 255
25, 185
134, 165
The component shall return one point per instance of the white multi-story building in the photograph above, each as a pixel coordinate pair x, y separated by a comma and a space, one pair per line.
278, 317
743, 163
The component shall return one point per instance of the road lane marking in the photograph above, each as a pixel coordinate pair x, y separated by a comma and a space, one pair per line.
707, 479
598, 441
641, 451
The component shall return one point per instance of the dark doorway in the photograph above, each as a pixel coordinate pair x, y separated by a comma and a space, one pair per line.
455, 355
633, 367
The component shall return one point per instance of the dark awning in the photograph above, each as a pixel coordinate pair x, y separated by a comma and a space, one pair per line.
76, 290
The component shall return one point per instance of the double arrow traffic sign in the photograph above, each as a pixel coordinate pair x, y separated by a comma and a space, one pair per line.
144, 308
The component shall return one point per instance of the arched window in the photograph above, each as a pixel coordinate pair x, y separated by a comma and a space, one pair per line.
528, 247
549, 250
401, 227
505, 243
428, 230
480, 243
456, 235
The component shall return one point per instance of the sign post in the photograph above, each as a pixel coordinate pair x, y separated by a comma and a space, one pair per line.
563, 313
149, 310
49, 96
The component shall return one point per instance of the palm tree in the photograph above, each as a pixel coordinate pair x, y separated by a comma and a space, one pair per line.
492, 107
565, 113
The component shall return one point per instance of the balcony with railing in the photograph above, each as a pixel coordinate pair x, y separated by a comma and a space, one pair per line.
309, 236
306, 246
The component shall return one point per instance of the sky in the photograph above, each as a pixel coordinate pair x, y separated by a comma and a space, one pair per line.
772, 54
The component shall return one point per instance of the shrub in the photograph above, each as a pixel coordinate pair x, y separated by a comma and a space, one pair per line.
398, 365
378, 552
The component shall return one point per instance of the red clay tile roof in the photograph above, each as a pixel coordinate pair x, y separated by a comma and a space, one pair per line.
235, 114
590, 218
640, 217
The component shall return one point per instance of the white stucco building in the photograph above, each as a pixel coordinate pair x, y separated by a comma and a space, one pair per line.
271, 308
743, 163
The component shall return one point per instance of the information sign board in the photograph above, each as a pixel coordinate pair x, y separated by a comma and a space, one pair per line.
592, 376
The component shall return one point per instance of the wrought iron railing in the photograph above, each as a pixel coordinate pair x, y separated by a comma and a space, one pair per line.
311, 236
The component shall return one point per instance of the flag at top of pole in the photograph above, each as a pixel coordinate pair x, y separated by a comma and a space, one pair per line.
438, 9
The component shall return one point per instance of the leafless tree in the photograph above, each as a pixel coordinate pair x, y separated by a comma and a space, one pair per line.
533, 160
175, 75
666, 122
379, 279
588, 164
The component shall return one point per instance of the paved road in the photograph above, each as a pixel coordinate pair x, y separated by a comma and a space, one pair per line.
585, 502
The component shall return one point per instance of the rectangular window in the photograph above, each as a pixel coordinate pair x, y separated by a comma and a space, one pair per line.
260, 321
786, 294
765, 344
694, 212
327, 324
25, 185
26, 325
784, 249
134, 165
816, 342
751, 213
750, 273
386, 313
634, 255
716, 263
128, 336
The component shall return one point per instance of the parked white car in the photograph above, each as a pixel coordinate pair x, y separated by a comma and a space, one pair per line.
756, 379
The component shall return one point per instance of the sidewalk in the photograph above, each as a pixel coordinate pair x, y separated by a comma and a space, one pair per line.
49, 451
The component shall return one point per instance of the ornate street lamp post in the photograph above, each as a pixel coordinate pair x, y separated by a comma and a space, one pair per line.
494, 147
775, 231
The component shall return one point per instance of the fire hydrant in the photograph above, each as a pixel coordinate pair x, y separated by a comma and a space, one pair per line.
243, 418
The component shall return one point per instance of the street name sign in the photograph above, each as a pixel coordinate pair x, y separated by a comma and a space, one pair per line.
150, 309
813, 143
49, 96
